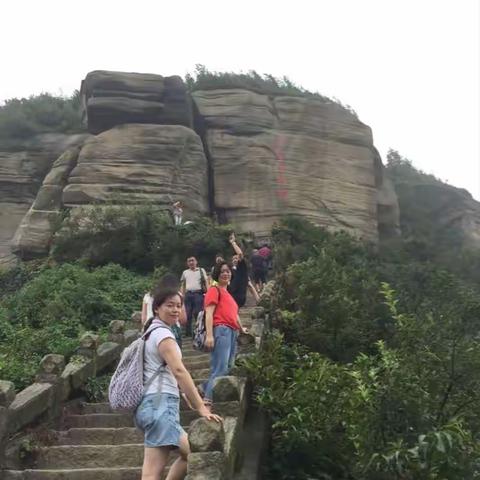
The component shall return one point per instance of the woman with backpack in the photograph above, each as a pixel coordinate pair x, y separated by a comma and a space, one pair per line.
222, 326
158, 414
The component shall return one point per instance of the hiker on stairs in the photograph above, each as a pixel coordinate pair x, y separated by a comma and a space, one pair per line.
223, 325
240, 281
193, 287
158, 414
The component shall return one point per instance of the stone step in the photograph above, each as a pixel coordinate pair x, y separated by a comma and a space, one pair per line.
192, 363
99, 436
115, 420
129, 473
90, 456
201, 373
94, 408
88, 408
93, 456
192, 353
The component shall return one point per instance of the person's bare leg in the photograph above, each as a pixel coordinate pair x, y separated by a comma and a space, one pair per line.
178, 470
154, 461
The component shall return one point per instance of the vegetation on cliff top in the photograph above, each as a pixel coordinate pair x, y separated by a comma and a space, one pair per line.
21, 118
44, 113
267, 84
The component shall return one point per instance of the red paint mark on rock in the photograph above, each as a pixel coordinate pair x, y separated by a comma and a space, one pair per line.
278, 149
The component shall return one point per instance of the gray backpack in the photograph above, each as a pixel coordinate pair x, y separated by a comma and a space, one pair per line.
126, 388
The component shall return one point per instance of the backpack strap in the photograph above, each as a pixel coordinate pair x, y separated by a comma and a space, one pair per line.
162, 367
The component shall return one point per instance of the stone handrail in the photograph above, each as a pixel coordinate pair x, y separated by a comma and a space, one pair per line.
57, 382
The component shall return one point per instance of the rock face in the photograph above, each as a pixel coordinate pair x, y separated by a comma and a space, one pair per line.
388, 210
141, 164
256, 157
23, 166
451, 213
289, 155
34, 233
116, 98
132, 163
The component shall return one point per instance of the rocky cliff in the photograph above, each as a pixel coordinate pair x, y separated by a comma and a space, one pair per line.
23, 166
288, 155
247, 157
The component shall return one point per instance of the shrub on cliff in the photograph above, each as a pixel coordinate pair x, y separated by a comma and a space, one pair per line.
49, 312
137, 237
21, 118
204, 79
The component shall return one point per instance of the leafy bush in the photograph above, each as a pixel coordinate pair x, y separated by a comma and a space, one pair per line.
303, 394
96, 388
137, 237
42, 113
48, 314
327, 290
14, 278
406, 411
406, 406
335, 308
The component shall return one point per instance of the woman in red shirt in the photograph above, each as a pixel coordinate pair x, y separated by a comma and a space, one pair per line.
223, 324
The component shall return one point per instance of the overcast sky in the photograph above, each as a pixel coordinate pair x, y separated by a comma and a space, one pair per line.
410, 68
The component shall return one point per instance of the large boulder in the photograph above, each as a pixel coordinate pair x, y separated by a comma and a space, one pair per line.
280, 155
139, 163
23, 166
128, 164
116, 98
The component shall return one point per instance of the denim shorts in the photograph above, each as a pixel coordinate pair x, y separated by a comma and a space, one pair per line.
158, 416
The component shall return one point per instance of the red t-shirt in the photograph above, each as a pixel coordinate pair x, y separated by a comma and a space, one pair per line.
226, 310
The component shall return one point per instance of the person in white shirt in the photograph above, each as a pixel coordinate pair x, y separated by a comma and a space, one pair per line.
177, 213
193, 286
147, 311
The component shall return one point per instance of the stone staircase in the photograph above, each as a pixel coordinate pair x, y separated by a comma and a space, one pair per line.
95, 443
